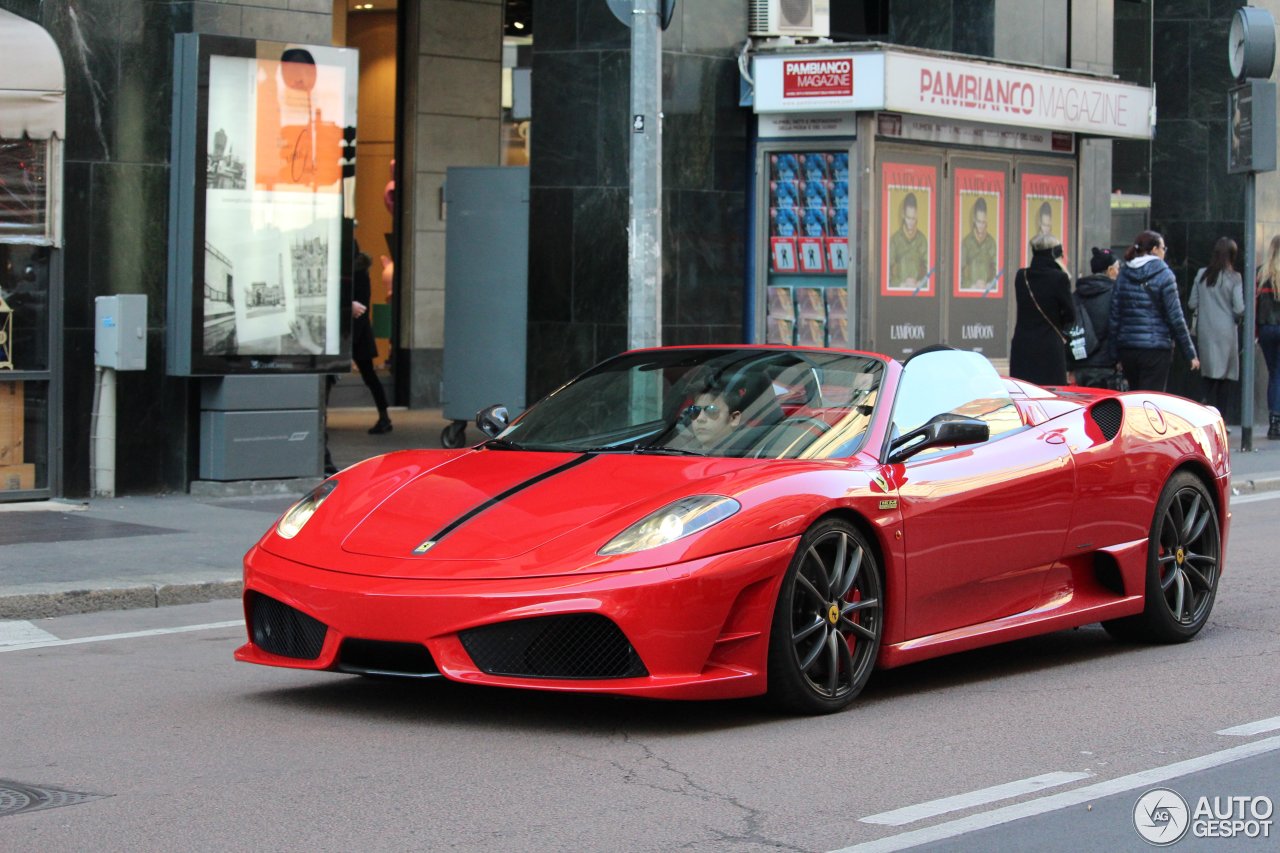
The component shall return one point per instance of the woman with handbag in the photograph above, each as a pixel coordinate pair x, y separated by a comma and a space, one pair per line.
1217, 307
1042, 291
1146, 316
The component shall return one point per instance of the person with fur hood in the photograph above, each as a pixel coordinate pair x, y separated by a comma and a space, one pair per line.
1146, 317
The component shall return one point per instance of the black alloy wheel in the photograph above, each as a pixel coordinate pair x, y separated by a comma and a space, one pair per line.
1183, 566
828, 621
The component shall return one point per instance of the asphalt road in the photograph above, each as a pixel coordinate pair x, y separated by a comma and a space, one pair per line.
157, 740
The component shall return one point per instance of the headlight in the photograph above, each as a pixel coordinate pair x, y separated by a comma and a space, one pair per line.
674, 521
300, 513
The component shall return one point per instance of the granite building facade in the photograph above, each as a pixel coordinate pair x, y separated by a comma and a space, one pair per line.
118, 60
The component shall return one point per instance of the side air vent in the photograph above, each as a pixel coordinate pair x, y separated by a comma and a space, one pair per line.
576, 645
281, 630
1108, 414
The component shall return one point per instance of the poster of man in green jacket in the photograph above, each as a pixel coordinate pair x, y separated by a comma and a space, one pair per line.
978, 251
908, 249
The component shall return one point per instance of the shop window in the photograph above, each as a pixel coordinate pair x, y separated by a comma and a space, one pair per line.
24, 419
28, 171
24, 307
808, 244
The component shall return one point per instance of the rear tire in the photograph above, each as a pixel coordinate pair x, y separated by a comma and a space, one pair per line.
828, 621
1184, 553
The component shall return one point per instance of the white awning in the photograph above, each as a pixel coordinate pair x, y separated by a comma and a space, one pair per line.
32, 81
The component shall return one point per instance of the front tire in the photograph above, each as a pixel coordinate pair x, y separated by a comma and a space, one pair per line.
1184, 555
828, 621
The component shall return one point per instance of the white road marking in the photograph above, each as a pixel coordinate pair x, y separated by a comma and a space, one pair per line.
44, 506
1054, 802
1255, 728
154, 632
15, 633
1254, 498
1009, 790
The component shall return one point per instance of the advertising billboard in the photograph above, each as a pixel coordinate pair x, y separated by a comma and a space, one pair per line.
265, 132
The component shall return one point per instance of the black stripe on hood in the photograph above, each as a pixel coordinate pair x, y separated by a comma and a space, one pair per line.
431, 541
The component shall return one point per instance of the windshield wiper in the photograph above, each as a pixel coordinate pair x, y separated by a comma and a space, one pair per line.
663, 450
501, 444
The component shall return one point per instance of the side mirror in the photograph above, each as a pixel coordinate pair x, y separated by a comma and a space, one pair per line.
940, 431
493, 419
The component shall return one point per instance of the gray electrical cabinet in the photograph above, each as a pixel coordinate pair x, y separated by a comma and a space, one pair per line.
486, 293
120, 331
260, 427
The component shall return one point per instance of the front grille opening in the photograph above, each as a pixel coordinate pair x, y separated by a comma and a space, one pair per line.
378, 657
1108, 414
281, 630
576, 645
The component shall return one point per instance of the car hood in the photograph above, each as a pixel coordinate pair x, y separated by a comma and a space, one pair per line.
494, 513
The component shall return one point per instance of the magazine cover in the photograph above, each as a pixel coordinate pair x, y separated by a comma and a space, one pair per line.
979, 215
906, 229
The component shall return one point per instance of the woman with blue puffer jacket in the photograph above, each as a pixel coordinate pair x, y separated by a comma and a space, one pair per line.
1146, 316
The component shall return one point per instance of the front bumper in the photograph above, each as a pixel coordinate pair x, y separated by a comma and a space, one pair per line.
697, 630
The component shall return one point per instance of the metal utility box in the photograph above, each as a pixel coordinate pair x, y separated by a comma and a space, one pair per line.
260, 427
259, 445
486, 293
120, 331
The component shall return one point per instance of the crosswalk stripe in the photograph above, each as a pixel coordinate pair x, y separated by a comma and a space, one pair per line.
131, 635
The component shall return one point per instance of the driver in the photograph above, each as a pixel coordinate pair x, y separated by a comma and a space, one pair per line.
712, 418
717, 412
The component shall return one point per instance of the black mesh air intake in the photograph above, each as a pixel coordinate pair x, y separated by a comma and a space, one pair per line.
1108, 414
279, 629
379, 657
576, 645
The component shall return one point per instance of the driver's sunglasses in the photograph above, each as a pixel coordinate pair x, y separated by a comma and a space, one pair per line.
711, 410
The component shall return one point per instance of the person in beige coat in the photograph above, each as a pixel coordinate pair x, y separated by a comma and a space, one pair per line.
1217, 305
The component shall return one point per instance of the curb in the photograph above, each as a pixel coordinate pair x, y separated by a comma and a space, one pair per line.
1264, 483
253, 488
42, 605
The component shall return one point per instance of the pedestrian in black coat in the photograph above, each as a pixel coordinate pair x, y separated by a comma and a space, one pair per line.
364, 349
1042, 292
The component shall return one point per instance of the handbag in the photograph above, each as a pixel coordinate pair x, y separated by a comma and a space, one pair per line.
1077, 349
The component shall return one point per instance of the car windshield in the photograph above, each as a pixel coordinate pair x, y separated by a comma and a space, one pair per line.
714, 402
952, 383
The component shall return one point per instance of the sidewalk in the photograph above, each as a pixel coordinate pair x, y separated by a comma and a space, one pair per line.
66, 556
60, 557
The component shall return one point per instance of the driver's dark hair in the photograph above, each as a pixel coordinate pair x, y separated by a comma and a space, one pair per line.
738, 391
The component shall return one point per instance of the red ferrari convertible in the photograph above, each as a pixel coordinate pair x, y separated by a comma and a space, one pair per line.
711, 522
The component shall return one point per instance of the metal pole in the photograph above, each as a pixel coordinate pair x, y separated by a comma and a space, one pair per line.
644, 229
1250, 288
